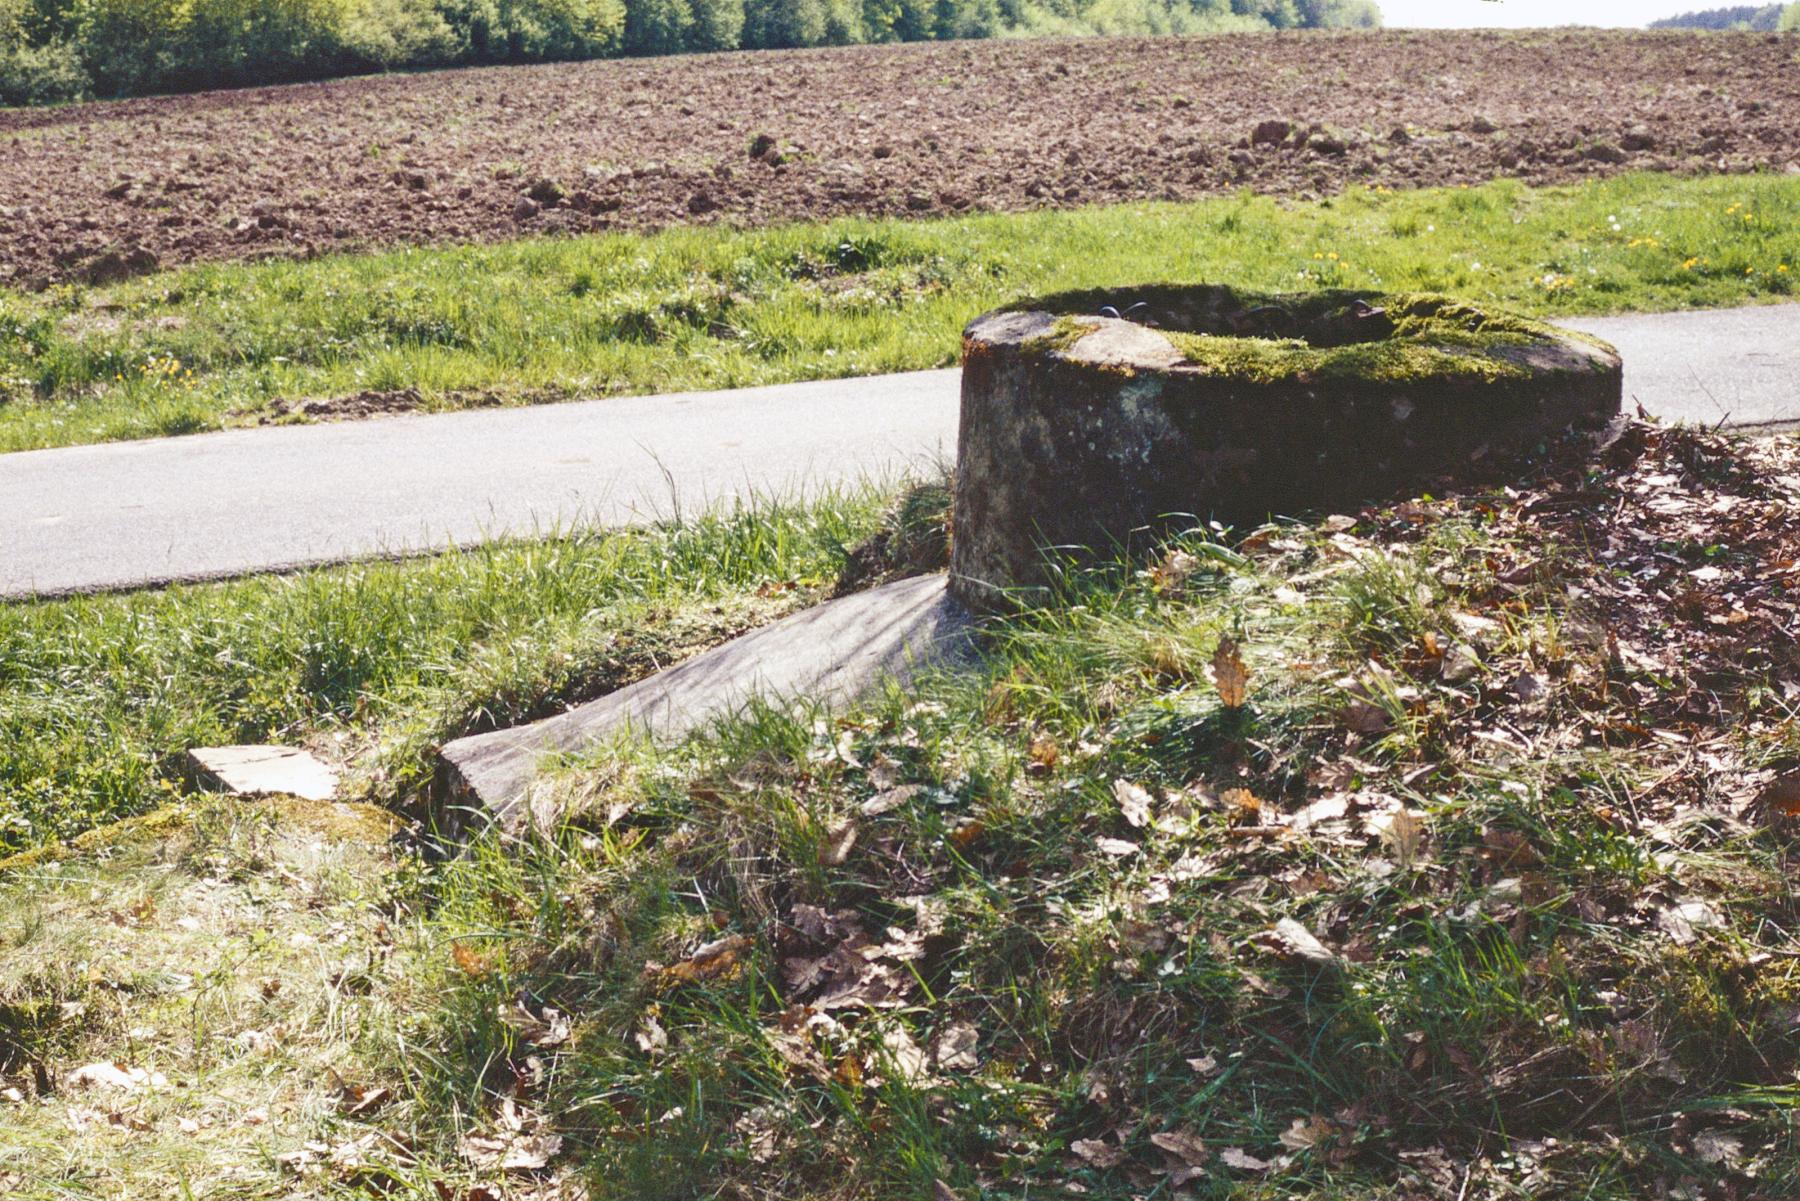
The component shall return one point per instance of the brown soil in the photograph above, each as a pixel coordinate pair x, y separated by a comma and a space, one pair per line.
101, 191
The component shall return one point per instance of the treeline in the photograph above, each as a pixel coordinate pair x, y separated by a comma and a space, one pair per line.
55, 50
1766, 17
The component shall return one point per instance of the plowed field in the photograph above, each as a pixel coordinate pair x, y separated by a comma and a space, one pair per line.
103, 190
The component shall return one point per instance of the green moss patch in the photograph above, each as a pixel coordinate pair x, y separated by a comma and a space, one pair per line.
1331, 335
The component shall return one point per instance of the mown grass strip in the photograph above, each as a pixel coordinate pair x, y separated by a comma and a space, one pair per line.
720, 308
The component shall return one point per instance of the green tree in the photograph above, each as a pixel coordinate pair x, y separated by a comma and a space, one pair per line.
718, 25
657, 26
37, 66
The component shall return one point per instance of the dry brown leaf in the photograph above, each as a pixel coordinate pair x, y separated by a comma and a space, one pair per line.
469, 961
1184, 1145
1099, 1154
717, 960
840, 837
1134, 803
956, 1048
890, 799
548, 1028
1243, 1161
356, 1100
1294, 939
651, 1038
905, 1057
512, 1153
118, 1076
1230, 676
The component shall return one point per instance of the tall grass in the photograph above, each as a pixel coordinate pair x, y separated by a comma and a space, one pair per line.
100, 697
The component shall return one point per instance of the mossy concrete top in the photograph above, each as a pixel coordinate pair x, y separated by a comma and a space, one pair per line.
1271, 338
1091, 421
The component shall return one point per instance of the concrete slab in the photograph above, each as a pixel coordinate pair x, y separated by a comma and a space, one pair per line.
265, 770
827, 655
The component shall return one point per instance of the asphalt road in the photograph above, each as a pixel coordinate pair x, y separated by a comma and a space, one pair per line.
130, 514
135, 514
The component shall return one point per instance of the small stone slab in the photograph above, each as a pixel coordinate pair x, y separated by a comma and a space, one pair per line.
828, 655
263, 770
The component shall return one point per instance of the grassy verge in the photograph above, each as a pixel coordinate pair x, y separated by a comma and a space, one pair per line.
100, 697
712, 308
1444, 852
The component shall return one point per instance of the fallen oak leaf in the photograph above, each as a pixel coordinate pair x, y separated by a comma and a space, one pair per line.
1779, 801
1134, 803
117, 1076
1230, 676
356, 1100
519, 1153
1184, 1144
716, 960
840, 837
1099, 1154
1294, 939
547, 1029
1243, 1161
956, 1048
890, 799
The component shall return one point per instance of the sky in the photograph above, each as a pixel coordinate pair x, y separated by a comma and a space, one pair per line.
1453, 14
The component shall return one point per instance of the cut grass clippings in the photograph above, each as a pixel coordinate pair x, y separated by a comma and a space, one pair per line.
693, 308
1441, 850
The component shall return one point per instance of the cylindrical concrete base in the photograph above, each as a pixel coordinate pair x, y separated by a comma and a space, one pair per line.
1083, 433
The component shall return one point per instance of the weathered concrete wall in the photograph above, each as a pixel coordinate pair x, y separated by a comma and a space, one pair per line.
1097, 440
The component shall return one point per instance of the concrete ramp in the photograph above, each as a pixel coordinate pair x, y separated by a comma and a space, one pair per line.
829, 654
